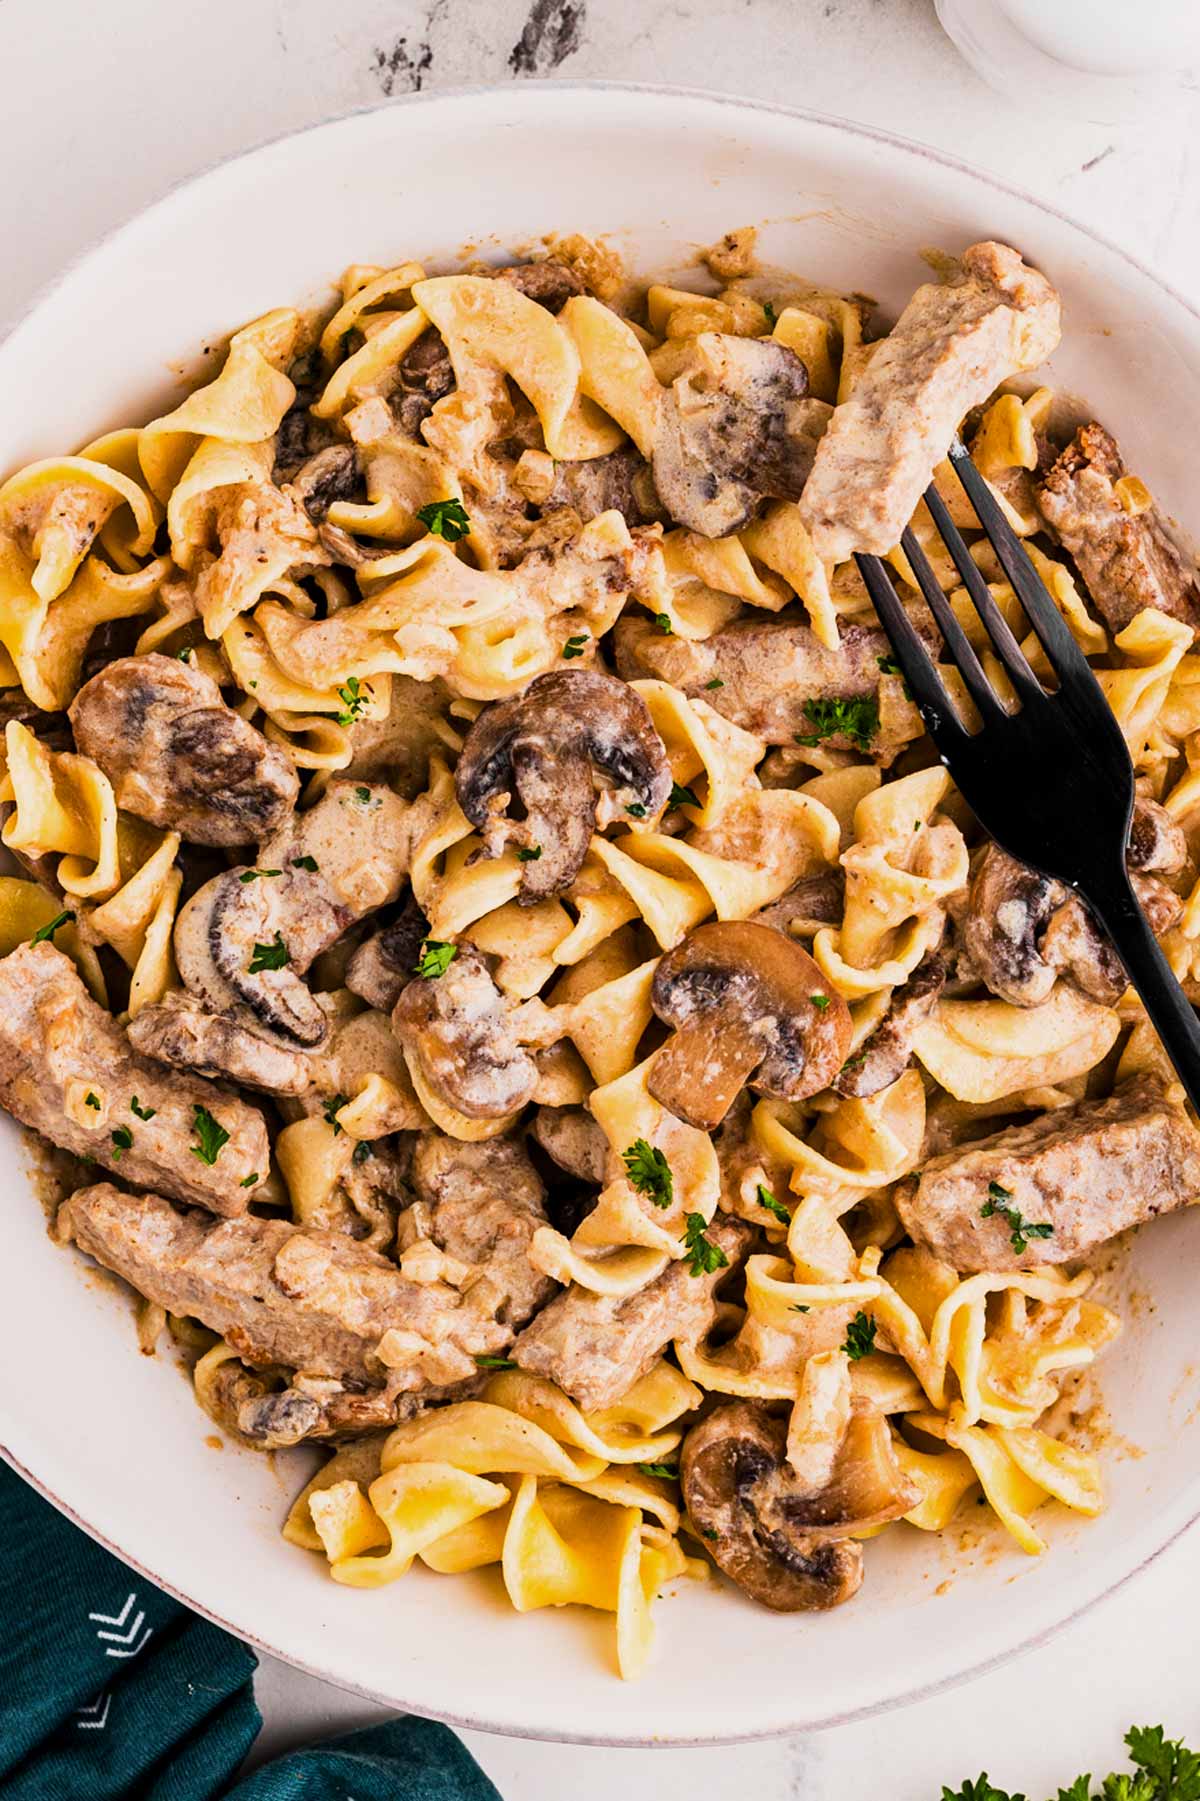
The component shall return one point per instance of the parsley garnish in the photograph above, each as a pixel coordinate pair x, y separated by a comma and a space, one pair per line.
250, 1180
445, 519
772, 315
682, 797
135, 1106
92, 1100
715, 683
856, 719
270, 956
435, 958
362, 1151
1166, 1771
663, 622
860, 1337
575, 647
819, 1001
649, 1172
309, 863
529, 855
888, 665
495, 1363
211, 1133
354, 697
45, 934
122, 1141
668, 1471
704, 1257
1020, 1230
853, 1062
331, 1109
253, 875
767, 1199
709, 1532
636, 810
364, 797
798, 1307
184, 655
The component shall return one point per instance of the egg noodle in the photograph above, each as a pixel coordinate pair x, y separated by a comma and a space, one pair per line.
364, 636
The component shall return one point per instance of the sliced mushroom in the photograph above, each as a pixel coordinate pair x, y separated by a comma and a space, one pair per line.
332, 475
573, 1140
178, 756
818, 900
732, 430
544, 750
788, 1548
749, 1007
182, 1032
456, 1030
383, 964
551, 284
886, 1054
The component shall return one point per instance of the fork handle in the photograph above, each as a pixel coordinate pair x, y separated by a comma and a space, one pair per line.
1170, 1012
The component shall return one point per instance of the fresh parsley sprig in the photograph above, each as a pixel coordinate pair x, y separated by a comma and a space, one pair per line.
211, 1133
45, 934
999, 1201
355, 697
270, 956
435, 958
856, 719
1164, 1770
766, 1199
446, 519
704, 1258
860, 1336
649, 1172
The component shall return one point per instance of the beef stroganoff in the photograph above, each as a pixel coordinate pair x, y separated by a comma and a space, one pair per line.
511, 987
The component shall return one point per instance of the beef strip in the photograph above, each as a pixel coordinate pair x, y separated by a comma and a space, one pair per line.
57, 1047
182, 1032
1088, 1171
596, 1346
483, 1204
178, 756
952, 346
283, 1294
886, 1054
1128, 560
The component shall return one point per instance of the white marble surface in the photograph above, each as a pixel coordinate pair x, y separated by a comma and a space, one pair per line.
105, 107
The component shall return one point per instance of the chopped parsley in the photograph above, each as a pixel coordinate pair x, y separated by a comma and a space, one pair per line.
772, 315
135, 1106
669, 1472
575, 647
122, 1141
856, 719
45, 934
999, 1202
853, 1062
649, 1172
211, 1133
495, 1363
766, 1199
663, 622
704, 1258
309, 863
715, 683
860, 1336
250, 1180
435, 958
355, 697
819, 1001
184, 655
362, 1151
445, 519
253, 875
365, 798
709, 1532
270, 956
331, 1108
888, 665
798, 1307
529, 853
636, 810
92, 1100
682, 797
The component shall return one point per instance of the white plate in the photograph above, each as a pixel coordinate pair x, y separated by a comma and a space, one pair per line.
114, 1438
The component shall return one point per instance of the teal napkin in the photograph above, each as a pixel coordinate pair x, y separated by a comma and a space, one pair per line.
112, 1691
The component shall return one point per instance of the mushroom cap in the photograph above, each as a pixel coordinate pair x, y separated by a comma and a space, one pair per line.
215, 938
1008, 908
541, 748
455, 1027
788, 1548
745, 1002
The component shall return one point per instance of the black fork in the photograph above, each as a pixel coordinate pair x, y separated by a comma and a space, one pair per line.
1052, 781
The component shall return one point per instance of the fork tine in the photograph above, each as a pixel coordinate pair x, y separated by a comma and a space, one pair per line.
958, 644
995, 624
916, 665
1051, 628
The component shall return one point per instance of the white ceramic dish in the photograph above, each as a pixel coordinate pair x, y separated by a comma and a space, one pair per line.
115, 1439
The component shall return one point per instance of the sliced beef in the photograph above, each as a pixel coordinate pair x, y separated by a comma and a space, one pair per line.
1128, 560
182, 1032
178, 756
952, 346
573, 1140
485, 1201
284, 1294
57, 1047
1087, 1171
551, 284
886, 1054
596, 1346
386, 962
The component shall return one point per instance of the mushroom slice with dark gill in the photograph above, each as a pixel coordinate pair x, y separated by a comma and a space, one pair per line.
786, 1546
749, 1007
459, 1040
886, 1054
383, 964
178, 756
180, 1031
331, 475
544, 749
732, 430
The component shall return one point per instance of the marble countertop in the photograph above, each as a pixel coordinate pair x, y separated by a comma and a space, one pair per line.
107, 107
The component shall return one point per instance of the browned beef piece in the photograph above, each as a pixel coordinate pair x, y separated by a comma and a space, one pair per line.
385, 963
551, 284
621, 480
57, 1047
887, 1053
283, 1294
178, 756
425, 376
596, 1346
1128, 560
1087, 1172
574, 1140
485, 1202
